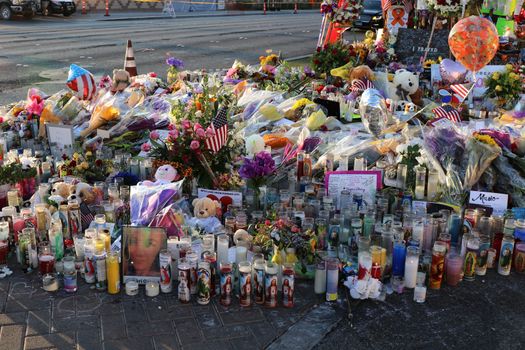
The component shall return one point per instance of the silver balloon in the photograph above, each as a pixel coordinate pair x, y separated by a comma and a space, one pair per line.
373, 112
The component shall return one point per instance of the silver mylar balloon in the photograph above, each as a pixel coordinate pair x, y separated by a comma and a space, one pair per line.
373, 112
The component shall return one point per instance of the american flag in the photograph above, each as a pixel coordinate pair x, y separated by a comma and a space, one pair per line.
448, 112
82, 82
85, 216
461, 90
219, 125
360, 85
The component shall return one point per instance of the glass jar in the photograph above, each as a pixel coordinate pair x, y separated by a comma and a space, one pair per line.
398, 258
471, 253
519, 259
482, 256
411, 266
438, 264
270, 282
320, 278
505, 256
421, 182
288, 285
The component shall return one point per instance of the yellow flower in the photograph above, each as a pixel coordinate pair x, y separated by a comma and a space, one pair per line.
495, 76
76, 156
509, 67
486, 139
79, 167
301, 103
513, 76
84, 165
498, 88
89, 154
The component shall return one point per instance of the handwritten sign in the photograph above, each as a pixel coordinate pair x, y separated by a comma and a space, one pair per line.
411, 45
363, 182
497, 201
224, 197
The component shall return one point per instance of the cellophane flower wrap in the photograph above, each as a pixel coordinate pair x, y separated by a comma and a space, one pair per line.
480, 151
147, 201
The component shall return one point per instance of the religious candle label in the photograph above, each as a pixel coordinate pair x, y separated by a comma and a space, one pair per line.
497, 201
259, 285
246, 288
288, 287
271, 290
226, 286
203, 285
184, 291
165, 272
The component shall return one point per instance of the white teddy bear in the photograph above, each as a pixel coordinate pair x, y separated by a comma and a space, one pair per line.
405, 83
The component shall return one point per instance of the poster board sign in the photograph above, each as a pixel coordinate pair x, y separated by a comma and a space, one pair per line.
497, 201
397, 17
224, 197
364, 182
60, 138
140, 253
481, 75
411, 45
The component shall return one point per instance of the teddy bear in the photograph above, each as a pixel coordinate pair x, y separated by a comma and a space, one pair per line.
121, 80
204, 214
60, 191
404, 85
164, 175
83, 193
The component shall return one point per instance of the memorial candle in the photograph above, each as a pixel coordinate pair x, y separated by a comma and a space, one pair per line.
454, 263
398, 259
223, 242
411, 265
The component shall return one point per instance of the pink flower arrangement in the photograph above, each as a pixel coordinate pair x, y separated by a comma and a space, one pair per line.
35, 106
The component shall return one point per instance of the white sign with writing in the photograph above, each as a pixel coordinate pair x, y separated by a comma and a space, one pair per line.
224, 197
363, 182
497, 201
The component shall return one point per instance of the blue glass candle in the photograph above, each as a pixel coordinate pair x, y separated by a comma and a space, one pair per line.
398, 258
454, 227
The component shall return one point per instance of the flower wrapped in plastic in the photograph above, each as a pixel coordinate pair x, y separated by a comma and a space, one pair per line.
480, 151
147, 201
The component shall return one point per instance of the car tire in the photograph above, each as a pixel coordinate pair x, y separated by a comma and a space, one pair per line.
5, 12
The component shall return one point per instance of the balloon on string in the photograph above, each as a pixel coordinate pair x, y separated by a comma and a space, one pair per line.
82, 82
452, 72
473, 41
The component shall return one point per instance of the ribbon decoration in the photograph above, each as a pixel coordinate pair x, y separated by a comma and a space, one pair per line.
398, 14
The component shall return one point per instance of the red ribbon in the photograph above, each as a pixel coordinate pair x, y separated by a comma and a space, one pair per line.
398, 16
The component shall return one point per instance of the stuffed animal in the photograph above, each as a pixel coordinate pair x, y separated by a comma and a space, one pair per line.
204, 212
404, 84
362, 72
60, 192
121, 80
417, 97
164, 175
83, 193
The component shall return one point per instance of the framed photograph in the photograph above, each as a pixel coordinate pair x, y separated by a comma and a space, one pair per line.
140, 253
60, 138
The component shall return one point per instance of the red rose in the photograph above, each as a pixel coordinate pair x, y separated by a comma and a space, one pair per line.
73, 164
98, 162
334, 51
316, 62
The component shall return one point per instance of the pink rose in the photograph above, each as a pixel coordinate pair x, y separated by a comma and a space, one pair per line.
154, 135
196, 127
210, 132
186, 124
201, 133
145, 147
174, 133
152, 74
194, 145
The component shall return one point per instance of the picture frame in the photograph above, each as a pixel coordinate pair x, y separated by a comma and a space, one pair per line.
140, 253
60, 138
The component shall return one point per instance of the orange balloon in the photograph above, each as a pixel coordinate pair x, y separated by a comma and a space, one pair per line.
474, 42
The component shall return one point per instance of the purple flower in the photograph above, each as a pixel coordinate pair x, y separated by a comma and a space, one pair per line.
261, 165
160, 105
174, 62
308, 71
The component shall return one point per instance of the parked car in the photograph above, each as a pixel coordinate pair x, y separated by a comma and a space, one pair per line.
8, 8
371, 15
59, 7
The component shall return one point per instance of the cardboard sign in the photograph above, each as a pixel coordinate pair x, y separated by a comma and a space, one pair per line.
224, 197
411, 45
497, 201
364, 182
397, 18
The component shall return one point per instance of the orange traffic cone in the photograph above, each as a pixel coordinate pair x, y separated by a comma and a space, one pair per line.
129, 62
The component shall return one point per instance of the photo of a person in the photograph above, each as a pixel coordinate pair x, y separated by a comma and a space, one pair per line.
140, 249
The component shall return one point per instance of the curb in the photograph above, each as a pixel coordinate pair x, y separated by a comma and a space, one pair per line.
306, 333
194, 16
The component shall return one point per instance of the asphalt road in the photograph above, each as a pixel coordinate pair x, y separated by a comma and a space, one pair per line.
39, 52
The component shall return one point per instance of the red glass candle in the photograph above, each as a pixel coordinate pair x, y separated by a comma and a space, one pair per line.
4, 249
46, 263
18, 225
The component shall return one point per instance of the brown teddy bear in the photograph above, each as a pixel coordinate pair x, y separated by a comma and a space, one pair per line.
83, 193
121, 80
60, 192
205, 214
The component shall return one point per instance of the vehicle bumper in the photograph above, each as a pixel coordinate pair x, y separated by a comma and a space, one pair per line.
26, 8
62, 8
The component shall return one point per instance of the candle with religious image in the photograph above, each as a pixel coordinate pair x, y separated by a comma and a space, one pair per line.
471, 253
184, 281
192, 259
505, 256
438, 264
226, 276
245, 283
258, 279
166, 285
270, 284
203, 284
288, 285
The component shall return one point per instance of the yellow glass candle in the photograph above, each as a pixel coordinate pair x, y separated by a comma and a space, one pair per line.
383, 259
107, 240
113, 272
100, 245
375, 252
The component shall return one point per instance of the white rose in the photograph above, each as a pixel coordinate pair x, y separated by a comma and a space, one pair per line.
254, 144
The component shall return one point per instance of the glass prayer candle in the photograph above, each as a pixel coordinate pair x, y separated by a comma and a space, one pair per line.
50, 282
74, 218
483, 251
445, 238
241, 250
411, 266
24, 244
438, 264
192, 261
270, 284
113, 192
484, 226
13, 198
421, 182
332, 278
70, 275
320, 278
398, 259
471, 252
165, 271
363, 244
428, 234
105, 236
4, 250
203, 284
322, 233
470, 216
4, 231
258, 278
46, 262
454, 227
420, 290
401, 176
519, 258
288, 286
223, 242
454, 266
226, 275
375, 253
211, 258
418, 229
109, 211
368, 223
360, 163
42, 223
184, 281
245, 283
505, 256
432, 184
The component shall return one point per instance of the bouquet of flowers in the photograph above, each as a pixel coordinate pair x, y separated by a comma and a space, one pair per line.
446, 8
87, 167
334, 55
505, 86
257, 169
174, 67
345, 15
481, 150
